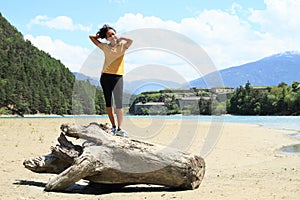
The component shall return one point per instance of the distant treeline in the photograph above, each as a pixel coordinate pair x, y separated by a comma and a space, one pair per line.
246, 100
280, 100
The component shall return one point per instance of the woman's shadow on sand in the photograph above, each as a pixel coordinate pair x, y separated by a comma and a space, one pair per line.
98, 189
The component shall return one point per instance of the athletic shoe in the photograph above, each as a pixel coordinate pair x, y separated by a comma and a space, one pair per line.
121, 133
113, 130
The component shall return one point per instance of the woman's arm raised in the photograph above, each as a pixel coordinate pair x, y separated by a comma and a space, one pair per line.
95, 40
128, 41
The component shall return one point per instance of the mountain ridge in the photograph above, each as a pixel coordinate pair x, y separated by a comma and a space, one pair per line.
268, 71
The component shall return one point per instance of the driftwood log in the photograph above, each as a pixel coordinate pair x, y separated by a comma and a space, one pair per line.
103, 158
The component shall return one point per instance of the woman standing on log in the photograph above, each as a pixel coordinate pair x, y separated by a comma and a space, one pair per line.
112, 74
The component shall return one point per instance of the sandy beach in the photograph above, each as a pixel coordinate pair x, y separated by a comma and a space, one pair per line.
243, 164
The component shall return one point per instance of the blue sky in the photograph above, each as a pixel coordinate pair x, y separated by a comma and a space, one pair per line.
231, 32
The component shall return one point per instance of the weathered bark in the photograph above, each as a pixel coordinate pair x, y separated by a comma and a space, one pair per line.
107, 159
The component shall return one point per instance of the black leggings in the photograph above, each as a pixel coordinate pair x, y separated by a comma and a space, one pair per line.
112, 84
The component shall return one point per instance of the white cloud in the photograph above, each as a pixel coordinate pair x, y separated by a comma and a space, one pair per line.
131, 21
71, 56
60, 22
281, 18
206, 30
235, 36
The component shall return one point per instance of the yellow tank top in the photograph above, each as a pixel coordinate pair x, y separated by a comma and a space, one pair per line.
114, 59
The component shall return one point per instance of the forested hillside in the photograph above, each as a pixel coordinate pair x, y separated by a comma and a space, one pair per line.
31, 81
